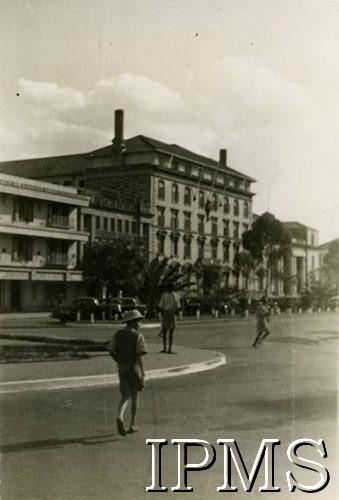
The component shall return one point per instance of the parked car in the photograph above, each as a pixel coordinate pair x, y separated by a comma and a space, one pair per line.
190, 304
83, 305
334, 302
111, 308
129, 303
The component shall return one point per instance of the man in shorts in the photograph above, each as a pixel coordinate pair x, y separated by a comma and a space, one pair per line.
169, 305
127, 347
263, 330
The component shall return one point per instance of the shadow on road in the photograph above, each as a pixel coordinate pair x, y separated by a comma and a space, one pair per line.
57, 443
39, 326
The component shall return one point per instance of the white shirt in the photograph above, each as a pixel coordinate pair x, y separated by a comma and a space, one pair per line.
169, 301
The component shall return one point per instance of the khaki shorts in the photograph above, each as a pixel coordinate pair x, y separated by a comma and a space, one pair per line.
130, 379
168, 320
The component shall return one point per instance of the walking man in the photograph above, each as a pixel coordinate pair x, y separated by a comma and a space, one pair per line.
263, 330
127, 347
168, 306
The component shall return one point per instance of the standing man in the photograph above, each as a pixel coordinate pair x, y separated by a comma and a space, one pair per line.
127, 347
263, 330
168, 306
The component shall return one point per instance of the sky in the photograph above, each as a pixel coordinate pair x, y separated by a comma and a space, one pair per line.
257, 77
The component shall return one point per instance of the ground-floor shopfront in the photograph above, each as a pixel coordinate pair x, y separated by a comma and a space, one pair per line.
34, 291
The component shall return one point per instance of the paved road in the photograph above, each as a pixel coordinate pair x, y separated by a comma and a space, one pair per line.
63, 445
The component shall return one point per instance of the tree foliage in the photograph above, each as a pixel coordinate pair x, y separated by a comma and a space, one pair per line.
331, 266
316, 294
266, 241
210, 276
267, 238
157, 275
116, 265
244, 264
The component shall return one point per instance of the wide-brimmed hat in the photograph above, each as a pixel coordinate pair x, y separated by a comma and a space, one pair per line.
131, 315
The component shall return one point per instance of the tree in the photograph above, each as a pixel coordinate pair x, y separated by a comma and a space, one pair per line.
113, 266
157, 275
244, 264
210, 276
316, 294
330, 267
266, 241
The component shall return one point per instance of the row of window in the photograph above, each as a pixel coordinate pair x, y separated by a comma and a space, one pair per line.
207, 175
22, 251
115, 225
201, 219
23, 211
203, 202
214, 249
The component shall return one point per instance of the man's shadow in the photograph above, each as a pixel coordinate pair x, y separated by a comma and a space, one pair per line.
58, 443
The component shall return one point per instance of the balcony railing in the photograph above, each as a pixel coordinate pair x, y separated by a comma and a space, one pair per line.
61, 221
57, 259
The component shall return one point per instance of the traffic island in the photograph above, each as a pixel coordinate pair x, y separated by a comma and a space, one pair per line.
102, 371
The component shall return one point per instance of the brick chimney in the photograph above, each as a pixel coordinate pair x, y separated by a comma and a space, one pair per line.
223, 157
119, 144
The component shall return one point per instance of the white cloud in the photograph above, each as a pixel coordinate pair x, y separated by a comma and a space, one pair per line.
186, 135
51, 95
273, 130
143, 93
257, 96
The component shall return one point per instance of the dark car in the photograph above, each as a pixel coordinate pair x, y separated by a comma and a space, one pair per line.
191, 304
129, 303
85, 306
111, 307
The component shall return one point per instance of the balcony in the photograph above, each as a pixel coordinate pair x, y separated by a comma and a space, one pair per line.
57, 260
60, 221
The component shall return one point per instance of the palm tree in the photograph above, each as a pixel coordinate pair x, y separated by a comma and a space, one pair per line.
157, 275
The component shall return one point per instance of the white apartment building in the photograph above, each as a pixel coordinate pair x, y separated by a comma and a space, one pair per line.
39, 243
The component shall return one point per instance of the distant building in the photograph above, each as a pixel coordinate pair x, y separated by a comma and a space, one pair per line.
332, 279
301, 266
40, 243
188, 206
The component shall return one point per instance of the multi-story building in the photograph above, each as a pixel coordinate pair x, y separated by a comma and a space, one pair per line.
106, 219
301, 266
201, 206
40, 242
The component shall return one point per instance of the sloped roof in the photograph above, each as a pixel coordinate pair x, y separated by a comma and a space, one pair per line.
140, 143
299, 224
325, 246
75, 164
38, 168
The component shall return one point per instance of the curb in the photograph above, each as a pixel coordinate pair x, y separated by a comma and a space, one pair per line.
106, 380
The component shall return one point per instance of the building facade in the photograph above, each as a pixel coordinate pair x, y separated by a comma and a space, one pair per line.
106, 219
187, 206
301, 267
40, 243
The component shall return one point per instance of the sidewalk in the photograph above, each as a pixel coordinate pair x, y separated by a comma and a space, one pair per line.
101, 370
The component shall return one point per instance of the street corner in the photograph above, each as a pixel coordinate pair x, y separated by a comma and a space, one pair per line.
185, 361
157, 366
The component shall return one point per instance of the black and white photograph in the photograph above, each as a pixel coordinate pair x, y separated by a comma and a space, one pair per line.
169, 249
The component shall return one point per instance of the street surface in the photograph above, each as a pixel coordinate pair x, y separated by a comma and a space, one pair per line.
64, 445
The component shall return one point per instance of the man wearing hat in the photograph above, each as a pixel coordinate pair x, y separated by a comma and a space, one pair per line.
127, 347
